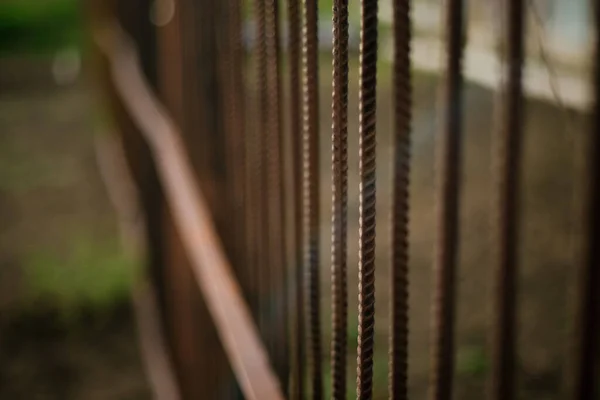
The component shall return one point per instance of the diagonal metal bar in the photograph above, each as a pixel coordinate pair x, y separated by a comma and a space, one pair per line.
448, 186
401, 164
211, 270
310, 187
366, 250
509, 162
339, 207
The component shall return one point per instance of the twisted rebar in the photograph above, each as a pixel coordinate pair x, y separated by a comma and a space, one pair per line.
367, 143
261, 182
276, 218
233, 117
339, 208
298, 349
448, 186
399, 274
238, 91
310, 192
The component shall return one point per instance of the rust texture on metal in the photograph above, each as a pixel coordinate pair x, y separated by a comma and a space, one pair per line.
448, 187
231, 65
509, 163
586, 366
252, 175
261, 182
215, 212
158, 365
191, 337
275, 196
398, 357
367, 198
175, 277
295, 121
238, 115
208, 262
310, 188
199, 121
339, 201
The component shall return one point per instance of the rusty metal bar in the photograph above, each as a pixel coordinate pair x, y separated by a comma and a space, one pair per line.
339, 201
240, 146
228, 119
170, 73
118, 176
398, 357
251, 220
509, 163
183, 42
310, 187
157, 364
275, 199
252, 175
209, 264
367, 197
298, 338
448, 187
237, 115
261, 182
588, 319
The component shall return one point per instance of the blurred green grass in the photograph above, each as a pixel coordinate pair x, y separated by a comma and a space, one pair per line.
40, 26
95, 273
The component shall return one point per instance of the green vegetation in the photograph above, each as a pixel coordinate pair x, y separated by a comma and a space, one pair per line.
94, 274
472, 361
38, 25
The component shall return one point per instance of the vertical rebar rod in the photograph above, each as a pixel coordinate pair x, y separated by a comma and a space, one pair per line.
226, 131
448, 186
253, 244
339, 207
276, 216
229, 67
252, 122
298, 349
294, 46
398, 357
588, 324
509, 162
367, 198
237, 114
262, 232
310, 187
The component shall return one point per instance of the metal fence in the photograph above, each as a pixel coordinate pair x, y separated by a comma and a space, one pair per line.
232, 212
